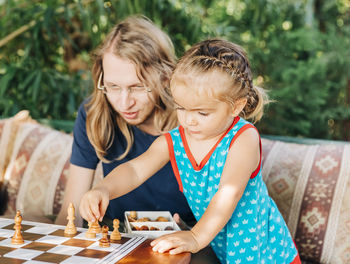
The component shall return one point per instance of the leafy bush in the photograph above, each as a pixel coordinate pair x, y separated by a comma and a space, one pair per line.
298, 50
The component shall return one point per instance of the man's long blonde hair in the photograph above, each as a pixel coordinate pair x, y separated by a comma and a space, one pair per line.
139, 41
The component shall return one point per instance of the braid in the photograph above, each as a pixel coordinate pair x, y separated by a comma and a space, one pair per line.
216, 54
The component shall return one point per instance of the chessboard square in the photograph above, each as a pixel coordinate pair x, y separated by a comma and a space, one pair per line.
51, 257
93, 253
122, 241
83, 236
39, 246
22, 253
31, 236
80, 260
23, 227
4, 260
97, 246
65, 250
4, 250
5, 222
6, 233
42, 229
60, 232
53, 239
7, 243
78, 242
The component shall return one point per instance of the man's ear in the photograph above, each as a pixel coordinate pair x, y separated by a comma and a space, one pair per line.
239, 106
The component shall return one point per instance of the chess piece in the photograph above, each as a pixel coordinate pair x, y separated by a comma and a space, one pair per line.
17, 238
90, 233
115, 235
70, 228
133, 215
94, 227
104, 241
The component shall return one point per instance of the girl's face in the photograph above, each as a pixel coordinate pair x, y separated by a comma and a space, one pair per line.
202, 116
133, 105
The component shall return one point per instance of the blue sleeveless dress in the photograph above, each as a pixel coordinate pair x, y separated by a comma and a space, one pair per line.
256, 231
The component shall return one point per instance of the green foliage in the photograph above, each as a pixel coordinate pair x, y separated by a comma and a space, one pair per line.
298, 51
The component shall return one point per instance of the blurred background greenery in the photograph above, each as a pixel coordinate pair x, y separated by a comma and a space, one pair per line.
299, 51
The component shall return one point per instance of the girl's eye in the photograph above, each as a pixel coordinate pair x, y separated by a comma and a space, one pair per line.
203, 113
178, 108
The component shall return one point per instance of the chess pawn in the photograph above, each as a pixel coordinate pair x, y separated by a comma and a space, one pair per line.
94, 227
115, 235
104, 241
70, 228
90, 233
17, 238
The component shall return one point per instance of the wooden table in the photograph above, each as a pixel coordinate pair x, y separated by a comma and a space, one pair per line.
144, 254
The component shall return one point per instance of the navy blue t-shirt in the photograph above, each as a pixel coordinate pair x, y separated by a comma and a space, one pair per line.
158, 193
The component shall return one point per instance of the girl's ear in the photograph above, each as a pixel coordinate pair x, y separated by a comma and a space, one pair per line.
239, 106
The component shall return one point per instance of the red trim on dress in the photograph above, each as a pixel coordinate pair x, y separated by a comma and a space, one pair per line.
207, 157
244, 128
296, 260
173, 160
297, 257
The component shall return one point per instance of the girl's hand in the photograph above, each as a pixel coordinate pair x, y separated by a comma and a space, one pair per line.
178, 242
94, 203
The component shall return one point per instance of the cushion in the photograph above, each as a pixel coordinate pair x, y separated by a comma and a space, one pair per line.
37, 170
8, 130
311, 187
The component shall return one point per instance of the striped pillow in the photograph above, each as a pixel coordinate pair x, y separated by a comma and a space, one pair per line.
311, 187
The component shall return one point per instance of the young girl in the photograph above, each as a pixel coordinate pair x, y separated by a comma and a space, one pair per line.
216, 158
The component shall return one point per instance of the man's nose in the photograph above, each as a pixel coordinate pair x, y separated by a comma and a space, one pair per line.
126, 99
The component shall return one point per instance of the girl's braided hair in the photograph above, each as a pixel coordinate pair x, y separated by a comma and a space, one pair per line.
225, 56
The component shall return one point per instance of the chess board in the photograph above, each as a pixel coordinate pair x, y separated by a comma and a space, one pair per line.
45, 243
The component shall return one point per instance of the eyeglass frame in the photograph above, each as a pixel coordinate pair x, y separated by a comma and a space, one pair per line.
104, 88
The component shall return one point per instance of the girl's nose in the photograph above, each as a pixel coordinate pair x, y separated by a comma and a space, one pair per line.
190, 119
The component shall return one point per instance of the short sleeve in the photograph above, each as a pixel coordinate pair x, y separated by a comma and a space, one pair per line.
83, 153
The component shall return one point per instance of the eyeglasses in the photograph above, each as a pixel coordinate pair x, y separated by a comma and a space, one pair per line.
116, 90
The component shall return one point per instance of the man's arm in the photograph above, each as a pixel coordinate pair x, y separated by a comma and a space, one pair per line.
79, 182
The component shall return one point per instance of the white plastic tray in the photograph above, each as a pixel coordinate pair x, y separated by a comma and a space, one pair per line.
153, 215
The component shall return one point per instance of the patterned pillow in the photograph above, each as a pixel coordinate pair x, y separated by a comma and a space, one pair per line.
8, 131
311, 186
37, 171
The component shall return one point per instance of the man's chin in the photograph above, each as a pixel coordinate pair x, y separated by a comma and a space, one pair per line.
133, 122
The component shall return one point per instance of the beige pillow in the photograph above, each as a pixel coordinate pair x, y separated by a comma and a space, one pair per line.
311, 187
8, 131
37, 171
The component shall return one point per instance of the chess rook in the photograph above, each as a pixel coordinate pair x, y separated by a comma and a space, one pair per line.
17, 238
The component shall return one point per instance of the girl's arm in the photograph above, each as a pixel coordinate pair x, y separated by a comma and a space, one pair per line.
243, 158
123, 179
